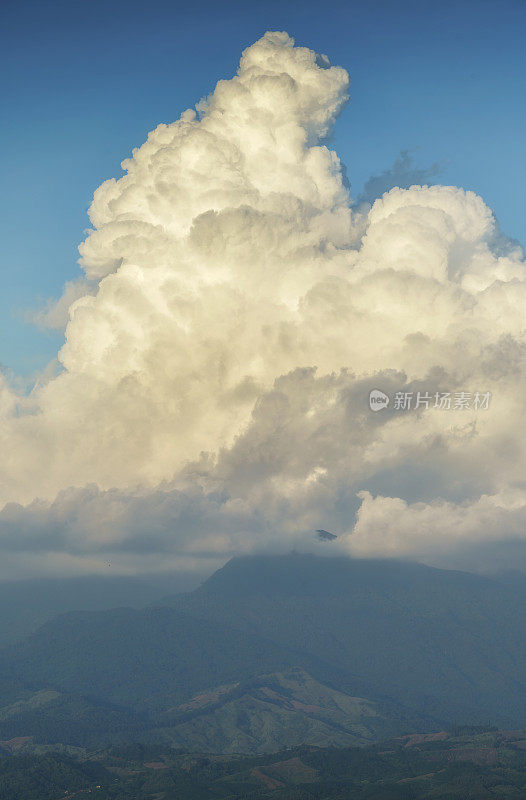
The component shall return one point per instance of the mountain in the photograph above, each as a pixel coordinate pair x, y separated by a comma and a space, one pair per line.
146, 659
448, 644
28, 604
284, 709
414, 648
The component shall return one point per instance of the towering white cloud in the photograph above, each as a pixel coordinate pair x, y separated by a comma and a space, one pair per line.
215, 381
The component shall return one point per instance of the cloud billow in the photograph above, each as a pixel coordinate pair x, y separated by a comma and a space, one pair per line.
239, 309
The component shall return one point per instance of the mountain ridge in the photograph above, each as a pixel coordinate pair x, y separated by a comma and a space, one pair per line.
426, 647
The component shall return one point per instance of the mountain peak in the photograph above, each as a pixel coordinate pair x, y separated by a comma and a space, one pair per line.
306, 574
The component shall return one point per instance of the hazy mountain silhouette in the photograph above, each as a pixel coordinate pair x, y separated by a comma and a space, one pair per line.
425, 647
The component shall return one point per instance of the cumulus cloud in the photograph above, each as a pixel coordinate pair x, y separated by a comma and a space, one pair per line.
55, 314
403, 174
214, 392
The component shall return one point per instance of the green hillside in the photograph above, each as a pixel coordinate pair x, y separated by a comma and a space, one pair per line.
459, 765
273, 711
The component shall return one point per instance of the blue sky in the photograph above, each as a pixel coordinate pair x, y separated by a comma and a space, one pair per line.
83, 84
